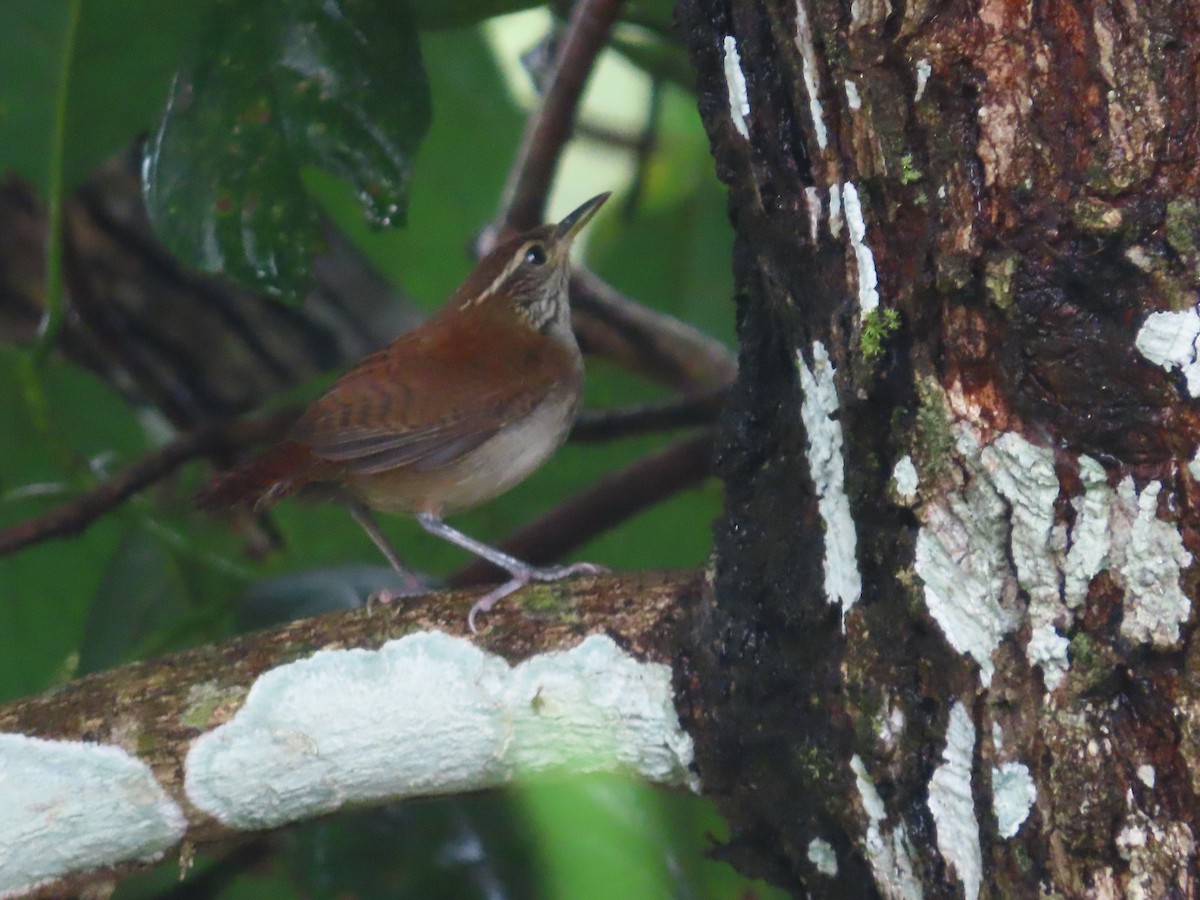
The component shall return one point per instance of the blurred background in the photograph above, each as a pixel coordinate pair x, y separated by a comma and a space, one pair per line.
207, 210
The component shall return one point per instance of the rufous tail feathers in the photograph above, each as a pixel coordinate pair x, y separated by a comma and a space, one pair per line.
261, 481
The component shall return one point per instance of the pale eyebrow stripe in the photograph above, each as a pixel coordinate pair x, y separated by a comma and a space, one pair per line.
508, 270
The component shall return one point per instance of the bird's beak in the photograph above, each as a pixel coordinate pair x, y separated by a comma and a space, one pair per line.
573, 223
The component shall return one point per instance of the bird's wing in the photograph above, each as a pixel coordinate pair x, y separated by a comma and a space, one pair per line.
423, 402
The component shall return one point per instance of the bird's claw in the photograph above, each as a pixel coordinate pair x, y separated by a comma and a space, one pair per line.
554, 573
519, 580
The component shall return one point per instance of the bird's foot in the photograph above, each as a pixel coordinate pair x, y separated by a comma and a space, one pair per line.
521, 578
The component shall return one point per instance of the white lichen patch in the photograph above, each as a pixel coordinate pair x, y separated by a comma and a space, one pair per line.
852, 98
1048, 649
1146, 775
1169, 340
735, 80
1155, 605
1023, 473
905, 479
812, 201
868, 278
888, 850
429, 714
819, 408
1120, 530
924, 70
812, 81
70, 806
1013, 795
983, 544
1090, 534
960, 556
952, 805
822, 856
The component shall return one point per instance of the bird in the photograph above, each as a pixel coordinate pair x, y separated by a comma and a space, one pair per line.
449, 415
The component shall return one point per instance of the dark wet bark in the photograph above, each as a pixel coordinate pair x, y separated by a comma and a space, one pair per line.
1027, 175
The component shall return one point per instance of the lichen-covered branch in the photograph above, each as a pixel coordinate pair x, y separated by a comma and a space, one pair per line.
356, 708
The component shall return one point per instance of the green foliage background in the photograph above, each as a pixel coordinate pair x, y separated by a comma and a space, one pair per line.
79, 81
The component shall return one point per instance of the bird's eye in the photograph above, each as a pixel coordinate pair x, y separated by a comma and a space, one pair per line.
535, 255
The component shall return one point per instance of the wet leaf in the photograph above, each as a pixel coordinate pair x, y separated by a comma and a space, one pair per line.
53, 433
276, 89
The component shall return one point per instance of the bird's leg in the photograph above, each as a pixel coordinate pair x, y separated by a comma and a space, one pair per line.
411, 583
522, 573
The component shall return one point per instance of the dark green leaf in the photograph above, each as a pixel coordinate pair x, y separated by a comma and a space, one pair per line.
463, 162
34, 56
139, 594
278, 88
55, 424
125, 54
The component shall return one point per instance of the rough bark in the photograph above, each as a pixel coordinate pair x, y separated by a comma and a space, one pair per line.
1014, 612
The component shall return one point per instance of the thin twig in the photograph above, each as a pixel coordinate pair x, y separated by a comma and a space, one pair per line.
523, 203
607, 503
607, 324
74, 517
596, 425
657, 345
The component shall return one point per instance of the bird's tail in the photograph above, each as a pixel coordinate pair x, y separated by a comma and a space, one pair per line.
261, 481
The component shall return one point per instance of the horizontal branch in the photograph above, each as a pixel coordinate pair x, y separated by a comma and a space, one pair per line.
75, 516
597, 425
354, 708
643, 340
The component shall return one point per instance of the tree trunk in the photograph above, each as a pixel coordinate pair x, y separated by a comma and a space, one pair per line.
948, 649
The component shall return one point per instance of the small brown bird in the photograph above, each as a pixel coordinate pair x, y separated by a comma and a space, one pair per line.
450, 414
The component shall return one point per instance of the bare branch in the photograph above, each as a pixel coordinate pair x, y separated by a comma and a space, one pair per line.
523, 203
596, 425
75, 516
657, 345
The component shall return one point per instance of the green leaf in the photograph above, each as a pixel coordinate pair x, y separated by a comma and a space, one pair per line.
464, 161
612, 836
56, 423
76, 82
139, 594
278, 88
80, 79
35, 56
125, 55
